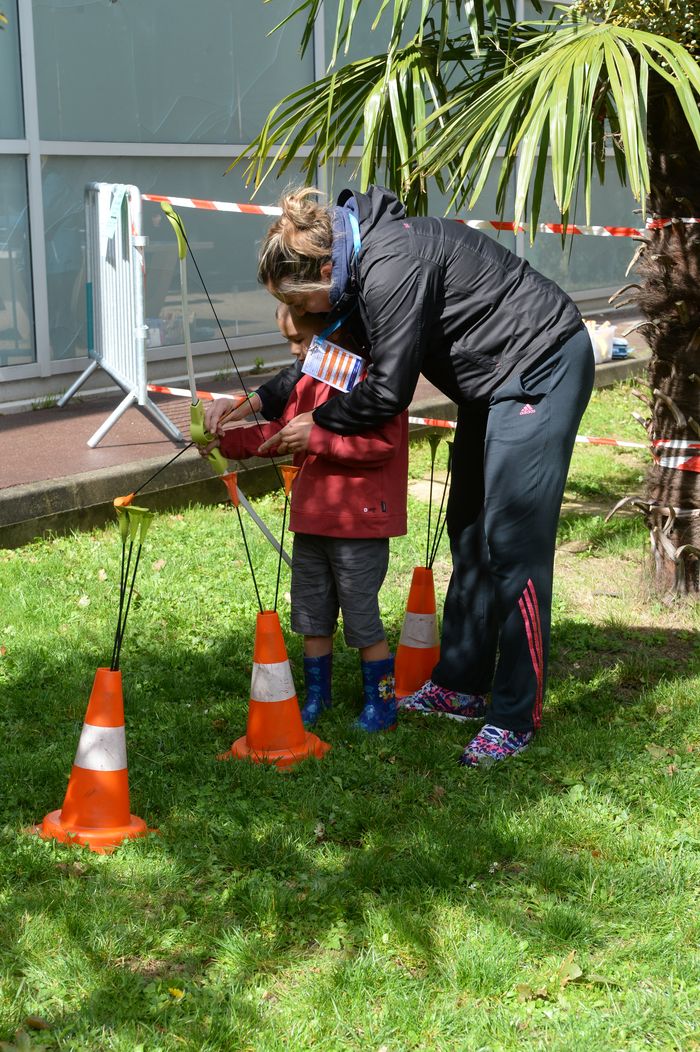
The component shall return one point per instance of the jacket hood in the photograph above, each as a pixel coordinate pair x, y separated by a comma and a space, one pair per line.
375, 207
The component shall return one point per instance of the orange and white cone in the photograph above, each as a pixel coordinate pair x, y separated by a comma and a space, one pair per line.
275, 733
419, 647
95, 811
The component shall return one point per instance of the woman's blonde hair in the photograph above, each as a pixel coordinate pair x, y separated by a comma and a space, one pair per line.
297, 244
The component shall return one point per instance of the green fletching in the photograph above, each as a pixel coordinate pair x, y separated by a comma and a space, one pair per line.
123, 523
178, 227
139, 520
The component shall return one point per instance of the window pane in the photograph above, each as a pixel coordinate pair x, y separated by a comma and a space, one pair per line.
16, 310
163, 71
224, 245
11, 116
588, 262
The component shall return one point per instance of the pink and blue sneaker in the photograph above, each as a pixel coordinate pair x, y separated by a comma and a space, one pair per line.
493, 744
434, 700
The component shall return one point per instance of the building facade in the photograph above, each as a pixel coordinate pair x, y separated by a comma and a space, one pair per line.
165, 94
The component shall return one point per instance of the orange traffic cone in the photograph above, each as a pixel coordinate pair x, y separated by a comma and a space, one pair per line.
419, 647
275, 733
95, 811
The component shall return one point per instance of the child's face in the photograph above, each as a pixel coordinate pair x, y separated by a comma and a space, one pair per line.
299, 331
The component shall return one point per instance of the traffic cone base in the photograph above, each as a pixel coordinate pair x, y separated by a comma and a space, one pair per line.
101, 841
95, 810
287, 757
275, 732
418, 651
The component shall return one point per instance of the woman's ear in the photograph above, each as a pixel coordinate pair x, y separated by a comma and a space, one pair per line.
326, 272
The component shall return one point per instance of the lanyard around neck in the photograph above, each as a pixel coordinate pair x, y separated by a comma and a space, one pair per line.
330, 329
355, 226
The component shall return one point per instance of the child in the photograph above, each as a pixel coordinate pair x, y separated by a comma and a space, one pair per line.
347, 500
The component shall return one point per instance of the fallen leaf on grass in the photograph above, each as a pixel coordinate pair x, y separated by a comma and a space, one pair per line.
658, 752
158, 564
672, 769
102, 575
35, 1022
569, 971
72, 869
3, 651
526, 992
84, 600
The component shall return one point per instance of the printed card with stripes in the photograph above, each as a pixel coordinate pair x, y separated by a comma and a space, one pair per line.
333, 365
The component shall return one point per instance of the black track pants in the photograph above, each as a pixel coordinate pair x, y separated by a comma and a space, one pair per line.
510, 461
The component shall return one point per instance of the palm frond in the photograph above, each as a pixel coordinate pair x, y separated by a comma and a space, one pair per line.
569, 91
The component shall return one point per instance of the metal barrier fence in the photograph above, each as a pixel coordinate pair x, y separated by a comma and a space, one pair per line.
115, 275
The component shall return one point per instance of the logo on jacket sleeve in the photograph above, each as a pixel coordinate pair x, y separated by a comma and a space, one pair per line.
527, 410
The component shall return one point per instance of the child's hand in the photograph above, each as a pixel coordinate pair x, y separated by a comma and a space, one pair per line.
204, 451
293, 438
223, 410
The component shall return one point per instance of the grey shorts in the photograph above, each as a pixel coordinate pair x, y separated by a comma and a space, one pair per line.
338, 573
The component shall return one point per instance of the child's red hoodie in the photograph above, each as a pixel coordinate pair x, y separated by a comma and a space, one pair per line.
348, 485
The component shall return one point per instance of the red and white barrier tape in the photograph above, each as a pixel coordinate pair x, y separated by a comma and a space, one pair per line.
689, 462
429, 422
215, 206
610, 442
184, 392
594, 230
674, 443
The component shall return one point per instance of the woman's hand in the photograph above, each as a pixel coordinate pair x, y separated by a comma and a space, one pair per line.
293, 438
219, 412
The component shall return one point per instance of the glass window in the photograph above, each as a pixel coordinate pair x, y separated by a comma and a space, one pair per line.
588, 262
225, 246
11, 115
163, 71
16, 309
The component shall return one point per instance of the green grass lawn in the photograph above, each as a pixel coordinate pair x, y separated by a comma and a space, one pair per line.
382, 898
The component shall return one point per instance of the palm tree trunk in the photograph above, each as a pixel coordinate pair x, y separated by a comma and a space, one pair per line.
669, 298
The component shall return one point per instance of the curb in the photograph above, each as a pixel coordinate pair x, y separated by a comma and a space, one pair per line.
85, 501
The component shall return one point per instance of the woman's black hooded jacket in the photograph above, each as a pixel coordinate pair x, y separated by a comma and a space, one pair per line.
438, 298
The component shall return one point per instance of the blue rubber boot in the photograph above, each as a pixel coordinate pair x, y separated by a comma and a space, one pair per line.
379, 713
317, 679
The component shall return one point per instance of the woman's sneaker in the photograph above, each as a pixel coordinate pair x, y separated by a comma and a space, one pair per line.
493, 744
432, 699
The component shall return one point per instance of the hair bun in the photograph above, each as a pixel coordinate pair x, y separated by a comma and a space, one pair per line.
299, 209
